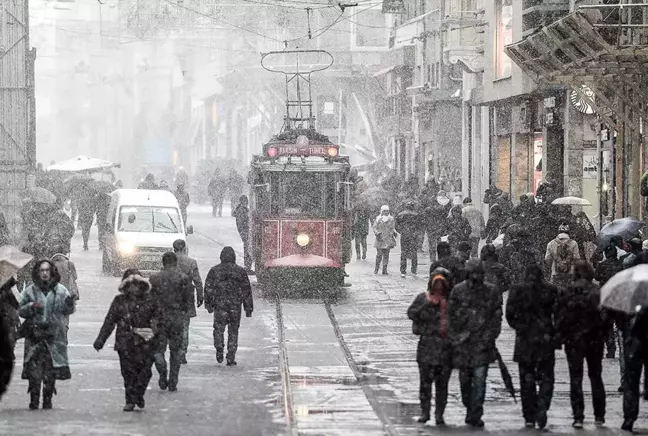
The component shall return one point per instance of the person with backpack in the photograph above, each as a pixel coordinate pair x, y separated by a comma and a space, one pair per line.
429, 315
581, 326
531, 311
562, 254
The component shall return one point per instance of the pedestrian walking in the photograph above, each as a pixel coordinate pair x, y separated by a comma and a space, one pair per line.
68, 277
519, 253
183, 201
227, 289
148, 183
477, 225
580, 324
458, 228
45, 304
235, 187
216, 191
429, 315
134, 312
408, 224
7, 356
360, 232
189, 267
475, 322
561, 256
242, 216
58, 231
450, 262
172, 291
385, 231
436, 214
636, 247
496, 273
495, 223
636, 357
531, 311
605, 270
87, 210
103, 207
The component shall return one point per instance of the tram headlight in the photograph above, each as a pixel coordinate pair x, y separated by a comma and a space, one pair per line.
302, 240
272, 152
332, 152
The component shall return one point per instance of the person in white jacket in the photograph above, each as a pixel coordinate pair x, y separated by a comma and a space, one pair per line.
477, 224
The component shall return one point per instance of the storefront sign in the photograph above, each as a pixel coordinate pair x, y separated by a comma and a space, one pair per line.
393, 7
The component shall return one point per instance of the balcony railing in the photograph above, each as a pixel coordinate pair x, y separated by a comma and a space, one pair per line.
464, 33
621, 25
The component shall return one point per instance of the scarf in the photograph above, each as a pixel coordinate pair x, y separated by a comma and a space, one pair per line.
438, 299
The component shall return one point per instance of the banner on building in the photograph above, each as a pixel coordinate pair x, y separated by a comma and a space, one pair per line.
393, 7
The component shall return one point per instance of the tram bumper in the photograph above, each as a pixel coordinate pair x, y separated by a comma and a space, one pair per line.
304, 271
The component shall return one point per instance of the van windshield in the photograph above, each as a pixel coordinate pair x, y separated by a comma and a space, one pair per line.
147, 219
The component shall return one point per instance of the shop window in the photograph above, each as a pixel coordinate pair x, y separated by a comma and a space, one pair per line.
503, 37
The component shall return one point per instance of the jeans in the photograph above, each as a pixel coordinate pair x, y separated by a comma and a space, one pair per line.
408, 251
433, 241
361, 243
593, 354
439, 376
382, 256
474, 244
473, 391
536, 387
137, 372
171, 335
633, 369
217, 205
185, 334
232, 320
86, 225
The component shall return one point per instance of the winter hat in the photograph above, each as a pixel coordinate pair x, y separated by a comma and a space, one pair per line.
142, 282
563, 228
384, 208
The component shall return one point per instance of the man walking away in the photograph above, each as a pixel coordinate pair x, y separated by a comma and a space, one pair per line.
189, 267
477, 225
360, 232
227, 288
172, 290
183, 201
449, 262
408, 224
242, 215
216, 191
530, 311
605, 270
562, 253
429, 315
475, 322
580, 325
636, 356
436, 216
496, 273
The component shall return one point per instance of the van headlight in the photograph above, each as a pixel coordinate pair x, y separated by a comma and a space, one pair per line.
126, 248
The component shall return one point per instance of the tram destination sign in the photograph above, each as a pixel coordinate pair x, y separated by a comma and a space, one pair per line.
309, 150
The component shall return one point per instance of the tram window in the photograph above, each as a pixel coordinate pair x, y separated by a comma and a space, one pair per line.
303, 194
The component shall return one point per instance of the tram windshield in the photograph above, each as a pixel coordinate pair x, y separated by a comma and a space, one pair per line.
304, 194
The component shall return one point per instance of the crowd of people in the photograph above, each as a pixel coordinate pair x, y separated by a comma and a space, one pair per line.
552, 285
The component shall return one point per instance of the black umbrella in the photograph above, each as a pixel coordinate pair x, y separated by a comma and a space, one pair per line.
506, 376
627, 228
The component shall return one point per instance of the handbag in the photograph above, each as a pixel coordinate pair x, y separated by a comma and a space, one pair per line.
142, 336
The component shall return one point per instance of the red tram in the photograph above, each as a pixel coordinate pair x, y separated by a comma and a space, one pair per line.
301, 199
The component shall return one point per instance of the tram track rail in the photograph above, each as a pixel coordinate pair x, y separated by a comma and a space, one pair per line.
284, 367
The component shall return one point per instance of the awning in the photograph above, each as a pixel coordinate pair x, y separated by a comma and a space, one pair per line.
82, 163
407, 33
384, 71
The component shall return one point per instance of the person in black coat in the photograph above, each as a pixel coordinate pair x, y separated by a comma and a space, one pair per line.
531, 312
605, 270
409, 226
636, 356
429, 314
133, 310
457, 227
242, 215
581, 326
227, 288
475, 322
446, 260
496, 273
174, 294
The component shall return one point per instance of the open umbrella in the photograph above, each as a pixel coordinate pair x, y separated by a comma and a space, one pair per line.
39, 195
626, 291
627, 228
572, 201
506, 376
12, 260
81, 163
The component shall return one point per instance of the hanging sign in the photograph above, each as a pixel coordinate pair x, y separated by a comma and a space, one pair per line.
393, 7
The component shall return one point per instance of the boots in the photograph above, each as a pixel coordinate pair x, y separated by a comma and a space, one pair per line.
49, 390
425, 412
34, 394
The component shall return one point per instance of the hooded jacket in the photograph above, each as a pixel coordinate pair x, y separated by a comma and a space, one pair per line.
68, 273
475, 219
174, 294
458, 228
385, 231
227, 286
562, 253
134, 308
429, 315
579, 320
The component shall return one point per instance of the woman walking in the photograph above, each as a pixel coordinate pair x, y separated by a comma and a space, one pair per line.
45, 305
429, 314
458, 228
385, 231
134, 312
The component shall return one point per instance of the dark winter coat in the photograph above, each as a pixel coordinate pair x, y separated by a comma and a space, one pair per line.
409, 225
579, 320
497, 275
606, 269
9, 311
455, 265
517, 256
7, 357
58, 233
227, 286
242, 216
436, 217
458, 230
189, 267
173, 293
129, 309
494, 225
433, 348
531, 312
361, 220
475, 321
216, 188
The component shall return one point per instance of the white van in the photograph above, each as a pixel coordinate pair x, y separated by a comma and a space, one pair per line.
141, 226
